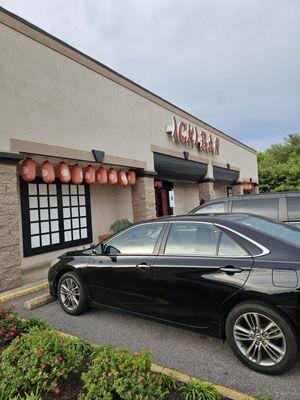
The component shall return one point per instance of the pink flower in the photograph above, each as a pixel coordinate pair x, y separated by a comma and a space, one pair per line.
109, 374
61, 344
153, 375
40, 352
57, 391
12, 306
137, 353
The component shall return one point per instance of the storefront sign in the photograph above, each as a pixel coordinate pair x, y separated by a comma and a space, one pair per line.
189, 135
171, 198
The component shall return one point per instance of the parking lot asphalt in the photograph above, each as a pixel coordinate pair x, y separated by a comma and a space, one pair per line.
176, 348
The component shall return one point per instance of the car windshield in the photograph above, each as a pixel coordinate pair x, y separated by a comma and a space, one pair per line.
281, 231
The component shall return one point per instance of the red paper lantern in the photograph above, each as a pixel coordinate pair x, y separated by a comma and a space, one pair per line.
122, 178
131, 176
48, 173
28, 170
90, 174
112, 176
101, 176
76, 174
63, 171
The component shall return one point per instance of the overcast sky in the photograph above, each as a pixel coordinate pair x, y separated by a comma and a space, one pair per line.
233, 63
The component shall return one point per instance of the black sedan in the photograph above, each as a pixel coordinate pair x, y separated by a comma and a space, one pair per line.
235, 276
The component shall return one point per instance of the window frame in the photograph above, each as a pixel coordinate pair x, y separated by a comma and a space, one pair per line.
256, 200
216, 256
212, 204
288, 197
155, 248
28, 251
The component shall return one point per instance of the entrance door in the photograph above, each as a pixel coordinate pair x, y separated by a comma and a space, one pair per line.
162, 198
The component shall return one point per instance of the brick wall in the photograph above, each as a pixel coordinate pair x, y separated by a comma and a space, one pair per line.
206, 191
10, 269
143, 199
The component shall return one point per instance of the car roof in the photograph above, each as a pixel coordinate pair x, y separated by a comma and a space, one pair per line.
210, 217
256, 195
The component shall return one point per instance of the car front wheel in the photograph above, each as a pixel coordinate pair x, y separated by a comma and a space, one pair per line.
261, 338
72, 294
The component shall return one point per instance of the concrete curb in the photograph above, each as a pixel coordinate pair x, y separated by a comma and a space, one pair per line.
24, 292
38, 301
181, 377
184, 378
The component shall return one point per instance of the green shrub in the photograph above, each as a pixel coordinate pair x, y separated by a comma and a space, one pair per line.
195, 390
170, 382
28, 396
10, 325
34, 322
40, 360
5, 391
113, 372
117, 226
266, 398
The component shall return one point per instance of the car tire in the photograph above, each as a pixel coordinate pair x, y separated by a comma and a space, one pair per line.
274, 350
72, 294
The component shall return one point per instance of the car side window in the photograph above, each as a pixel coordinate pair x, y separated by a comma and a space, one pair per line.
192, 239
229, 248
139, 239
293, 206
212, 208
259, 206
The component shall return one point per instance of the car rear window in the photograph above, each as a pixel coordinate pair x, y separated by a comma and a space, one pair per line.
278, 230
211, 208
293, 206
264, 207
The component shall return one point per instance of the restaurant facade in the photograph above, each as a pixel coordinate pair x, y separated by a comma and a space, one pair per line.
82, 146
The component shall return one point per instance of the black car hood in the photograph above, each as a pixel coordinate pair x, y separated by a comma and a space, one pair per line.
77, 253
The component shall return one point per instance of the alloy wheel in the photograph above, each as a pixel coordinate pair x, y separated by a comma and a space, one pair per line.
259, 339
69, 294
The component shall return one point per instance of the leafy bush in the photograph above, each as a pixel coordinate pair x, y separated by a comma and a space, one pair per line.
265, 398
10, 325
34, 322
171, 383
117, 226
5, 391
40, 360
195, 390
113, 372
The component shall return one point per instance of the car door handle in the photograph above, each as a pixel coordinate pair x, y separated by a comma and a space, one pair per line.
143, 266
230, 269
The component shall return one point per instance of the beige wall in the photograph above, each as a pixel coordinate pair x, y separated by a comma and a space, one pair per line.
47, 97
109, 203
186, 197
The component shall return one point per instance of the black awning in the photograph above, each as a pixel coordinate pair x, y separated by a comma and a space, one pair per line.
223, 175
175, 169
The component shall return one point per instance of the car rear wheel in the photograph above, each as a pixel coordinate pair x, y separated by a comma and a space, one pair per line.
261, 338
72, 294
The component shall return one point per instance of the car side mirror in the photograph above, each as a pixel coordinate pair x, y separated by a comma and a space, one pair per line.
111, 251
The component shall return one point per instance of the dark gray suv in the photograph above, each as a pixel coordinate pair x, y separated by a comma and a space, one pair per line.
281, 206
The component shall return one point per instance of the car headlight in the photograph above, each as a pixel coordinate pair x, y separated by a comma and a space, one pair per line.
54, 261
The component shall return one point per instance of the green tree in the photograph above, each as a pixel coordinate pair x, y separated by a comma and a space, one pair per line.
279, 166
